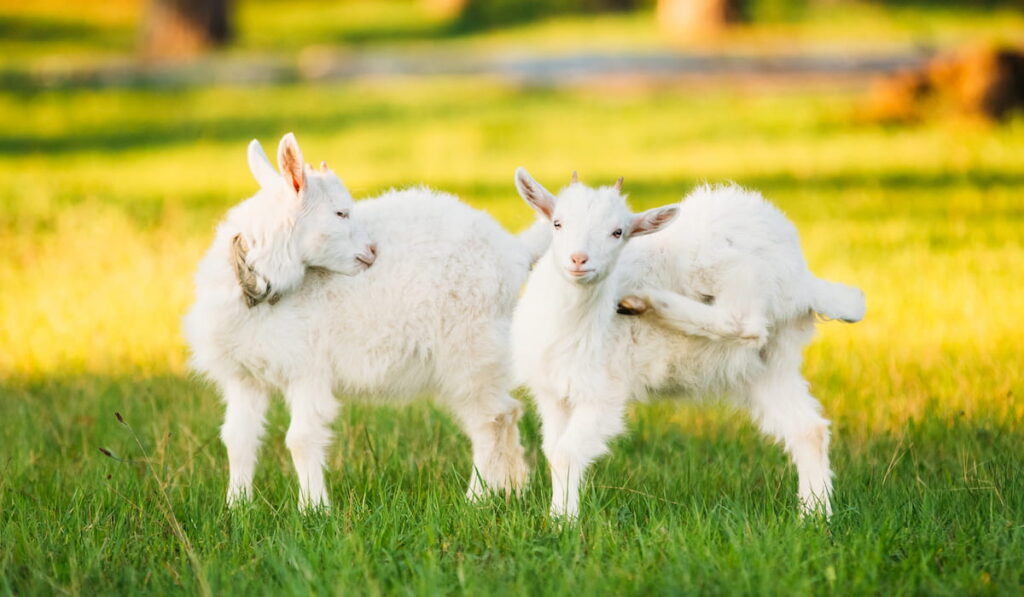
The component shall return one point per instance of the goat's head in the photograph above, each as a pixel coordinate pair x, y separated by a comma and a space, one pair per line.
591, 226
323, 232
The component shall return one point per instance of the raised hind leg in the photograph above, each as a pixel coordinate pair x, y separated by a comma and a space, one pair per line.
717, 321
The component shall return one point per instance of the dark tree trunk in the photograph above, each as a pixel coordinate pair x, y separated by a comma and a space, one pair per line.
174, 28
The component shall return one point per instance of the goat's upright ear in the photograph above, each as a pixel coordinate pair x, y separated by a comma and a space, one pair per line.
533, 193
260, 167
289, 160
653, 220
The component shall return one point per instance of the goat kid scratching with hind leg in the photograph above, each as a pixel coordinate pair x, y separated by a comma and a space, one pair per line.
727, 305
307, 292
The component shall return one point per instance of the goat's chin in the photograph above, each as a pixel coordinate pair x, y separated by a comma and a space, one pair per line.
353, 269
586, 279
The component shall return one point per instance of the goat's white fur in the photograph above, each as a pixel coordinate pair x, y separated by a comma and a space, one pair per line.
431, 315
730, 304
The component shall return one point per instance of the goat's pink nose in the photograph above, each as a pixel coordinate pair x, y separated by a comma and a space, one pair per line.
579, 258
369, 255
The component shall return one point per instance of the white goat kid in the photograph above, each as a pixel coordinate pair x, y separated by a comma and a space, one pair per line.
279, 307
730, 304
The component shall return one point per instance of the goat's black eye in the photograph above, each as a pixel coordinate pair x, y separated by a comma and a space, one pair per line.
557, 225
617, 233
342, 214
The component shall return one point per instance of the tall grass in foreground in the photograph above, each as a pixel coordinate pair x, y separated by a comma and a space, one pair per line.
108, 199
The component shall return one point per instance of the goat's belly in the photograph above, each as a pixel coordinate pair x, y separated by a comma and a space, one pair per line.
270, 367
700, 368
390, 376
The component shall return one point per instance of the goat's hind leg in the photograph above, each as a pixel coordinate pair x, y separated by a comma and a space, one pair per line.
242, 432
695, 318
491, 420
784, 409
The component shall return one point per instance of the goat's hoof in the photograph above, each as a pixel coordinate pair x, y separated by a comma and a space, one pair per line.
320, 505
632, 305
237, 497
815, 508
562, 519
477, 491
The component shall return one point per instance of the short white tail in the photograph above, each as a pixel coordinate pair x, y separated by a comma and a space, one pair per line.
838, 301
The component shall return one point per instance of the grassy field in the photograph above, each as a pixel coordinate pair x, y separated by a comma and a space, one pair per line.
108, 198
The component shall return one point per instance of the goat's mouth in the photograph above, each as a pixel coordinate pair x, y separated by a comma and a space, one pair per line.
365, 261
579, 273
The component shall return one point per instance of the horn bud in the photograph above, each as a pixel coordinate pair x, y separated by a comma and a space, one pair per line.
618, 183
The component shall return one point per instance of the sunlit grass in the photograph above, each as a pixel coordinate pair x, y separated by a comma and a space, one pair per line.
924, 218
107, 200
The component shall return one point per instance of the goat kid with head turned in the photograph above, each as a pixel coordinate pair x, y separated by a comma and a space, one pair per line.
307, 292
727, 305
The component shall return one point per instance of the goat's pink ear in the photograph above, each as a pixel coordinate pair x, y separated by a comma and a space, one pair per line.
289, 160
653, 220
533, 193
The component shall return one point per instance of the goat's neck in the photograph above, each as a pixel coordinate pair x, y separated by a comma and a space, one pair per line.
585, 311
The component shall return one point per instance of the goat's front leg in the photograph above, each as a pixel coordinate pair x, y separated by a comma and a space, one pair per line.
589, 428
245, 407
695, 318
554, 414
313, 409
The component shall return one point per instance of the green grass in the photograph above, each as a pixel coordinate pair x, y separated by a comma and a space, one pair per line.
107, 199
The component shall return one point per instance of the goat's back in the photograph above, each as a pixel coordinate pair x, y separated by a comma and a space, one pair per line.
727, 245
726, 236
431, 313
434, 307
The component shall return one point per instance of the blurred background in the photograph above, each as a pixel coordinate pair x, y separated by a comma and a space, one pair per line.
891, 132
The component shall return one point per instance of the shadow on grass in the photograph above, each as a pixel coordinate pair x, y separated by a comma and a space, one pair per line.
126, 138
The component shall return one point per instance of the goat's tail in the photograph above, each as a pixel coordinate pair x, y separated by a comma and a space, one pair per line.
536, 238
837, 301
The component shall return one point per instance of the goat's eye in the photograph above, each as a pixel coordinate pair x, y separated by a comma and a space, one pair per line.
342, 214
557, 225
617, 233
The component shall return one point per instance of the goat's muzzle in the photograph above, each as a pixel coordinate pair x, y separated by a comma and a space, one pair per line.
368, 256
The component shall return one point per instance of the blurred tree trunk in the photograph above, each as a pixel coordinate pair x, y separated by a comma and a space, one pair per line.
444, 9
685, 20
178, 28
